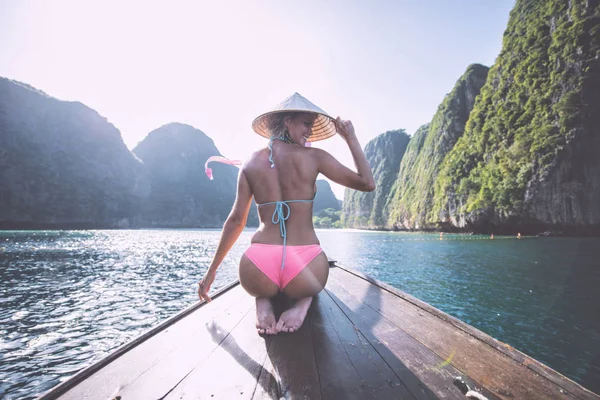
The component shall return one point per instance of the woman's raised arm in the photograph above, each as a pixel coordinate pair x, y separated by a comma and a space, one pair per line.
330, 167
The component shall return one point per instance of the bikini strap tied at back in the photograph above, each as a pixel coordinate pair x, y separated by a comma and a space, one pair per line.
282, 209
280, 215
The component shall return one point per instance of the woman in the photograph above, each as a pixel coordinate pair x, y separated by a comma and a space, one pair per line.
285, 255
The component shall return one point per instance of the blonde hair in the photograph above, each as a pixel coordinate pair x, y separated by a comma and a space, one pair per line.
277, 128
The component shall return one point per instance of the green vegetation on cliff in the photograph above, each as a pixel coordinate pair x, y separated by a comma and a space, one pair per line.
63, 165
325, 198
538, 96
384, 153
181, 194
328, 218
410, 204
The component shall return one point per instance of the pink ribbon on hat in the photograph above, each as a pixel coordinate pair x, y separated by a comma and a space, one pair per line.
220, 159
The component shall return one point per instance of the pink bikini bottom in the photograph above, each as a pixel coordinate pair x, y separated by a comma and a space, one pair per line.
268, 258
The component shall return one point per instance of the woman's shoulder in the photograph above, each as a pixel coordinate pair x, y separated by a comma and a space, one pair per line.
256, 158
258, 153
316, 153
260, 157
313, 155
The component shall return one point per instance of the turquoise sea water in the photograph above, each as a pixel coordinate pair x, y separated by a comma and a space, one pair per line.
67, 298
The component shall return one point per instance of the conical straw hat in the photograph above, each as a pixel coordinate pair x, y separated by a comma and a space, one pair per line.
323, 127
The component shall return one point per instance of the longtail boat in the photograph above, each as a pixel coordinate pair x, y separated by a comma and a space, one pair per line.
362, 339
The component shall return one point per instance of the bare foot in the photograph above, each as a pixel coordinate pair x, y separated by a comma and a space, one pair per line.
291, 320
265, 317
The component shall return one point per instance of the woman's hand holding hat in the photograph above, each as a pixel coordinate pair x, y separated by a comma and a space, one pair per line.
345, 129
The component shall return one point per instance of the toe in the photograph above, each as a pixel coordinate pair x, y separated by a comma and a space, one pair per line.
280, 326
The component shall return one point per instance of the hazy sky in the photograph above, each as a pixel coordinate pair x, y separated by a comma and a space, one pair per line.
216, 65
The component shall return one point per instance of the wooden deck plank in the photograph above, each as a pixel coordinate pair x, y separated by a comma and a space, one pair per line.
268, 382
490, 368
541, 369
348, 366
108, 381
290, 366
425, 373
362, 339
158, 380
232, 370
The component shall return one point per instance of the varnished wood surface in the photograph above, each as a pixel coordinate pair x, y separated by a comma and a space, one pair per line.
362, 339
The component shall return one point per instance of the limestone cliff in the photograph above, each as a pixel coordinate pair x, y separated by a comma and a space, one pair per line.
528, 160
181, 194
325, 197
384, 153
411, 199
62, 164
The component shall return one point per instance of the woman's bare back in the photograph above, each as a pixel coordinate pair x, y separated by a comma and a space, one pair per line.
292, 178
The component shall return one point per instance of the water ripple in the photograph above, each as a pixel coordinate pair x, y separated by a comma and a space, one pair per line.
68, 298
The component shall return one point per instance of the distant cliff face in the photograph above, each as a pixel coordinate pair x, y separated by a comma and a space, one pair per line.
529, 155
411, 199
181, 194
384, 153
62, 164
325, 197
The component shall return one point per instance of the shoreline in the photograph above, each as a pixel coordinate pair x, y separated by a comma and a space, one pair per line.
594, 231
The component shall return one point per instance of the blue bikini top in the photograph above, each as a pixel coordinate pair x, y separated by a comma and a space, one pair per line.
282, 208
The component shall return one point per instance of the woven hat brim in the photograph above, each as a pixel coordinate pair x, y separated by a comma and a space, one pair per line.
323, 127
